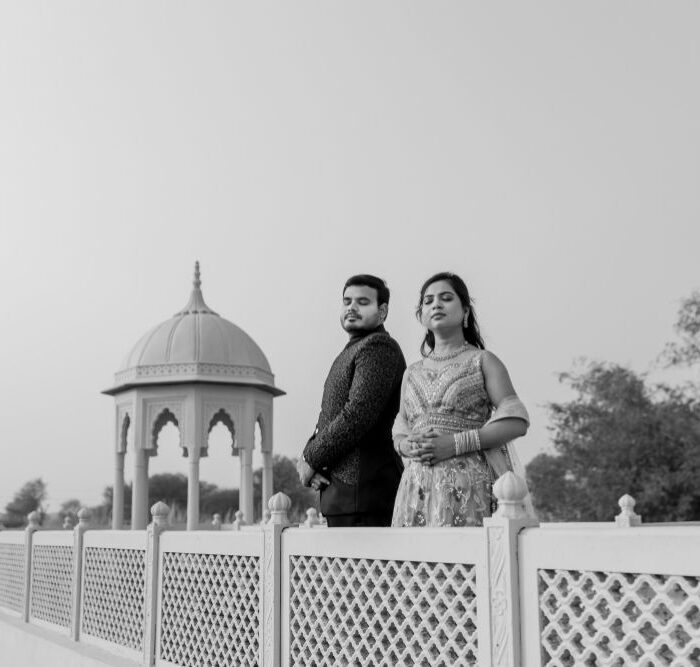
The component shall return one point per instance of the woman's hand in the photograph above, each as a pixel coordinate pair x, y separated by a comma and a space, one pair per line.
431, 447
408, 448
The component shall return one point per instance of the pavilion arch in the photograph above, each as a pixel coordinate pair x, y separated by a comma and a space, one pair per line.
163, 418
223, 417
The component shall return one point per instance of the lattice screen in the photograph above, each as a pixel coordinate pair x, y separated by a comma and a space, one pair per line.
52, 577
114, 587
210, 609
611, 619
12, 576
378, 612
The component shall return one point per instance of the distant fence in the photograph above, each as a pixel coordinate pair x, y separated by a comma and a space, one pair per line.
507, 594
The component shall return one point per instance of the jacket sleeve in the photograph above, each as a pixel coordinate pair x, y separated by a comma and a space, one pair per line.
376, 365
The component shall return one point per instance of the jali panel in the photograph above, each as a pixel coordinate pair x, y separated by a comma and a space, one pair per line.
612, 619
52, 584
210, 609
346, 611
12, 576
114, 588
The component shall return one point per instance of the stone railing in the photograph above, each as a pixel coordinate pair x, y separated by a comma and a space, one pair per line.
507, 594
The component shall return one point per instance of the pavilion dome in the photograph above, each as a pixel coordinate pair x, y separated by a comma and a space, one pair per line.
195, 345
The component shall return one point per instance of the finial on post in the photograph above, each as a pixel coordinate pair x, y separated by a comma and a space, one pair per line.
216, 521
84, 516
311, 518
159, 512
510, 490
196, 282
279, 506
33, 520
239, 521
627, 518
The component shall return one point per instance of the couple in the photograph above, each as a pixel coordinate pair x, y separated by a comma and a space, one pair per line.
452, 415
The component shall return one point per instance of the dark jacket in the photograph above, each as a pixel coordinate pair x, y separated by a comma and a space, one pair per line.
352, 444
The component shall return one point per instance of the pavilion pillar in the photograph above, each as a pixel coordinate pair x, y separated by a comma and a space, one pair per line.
118, 492
245, 502
139, 499
266, 479
193, 490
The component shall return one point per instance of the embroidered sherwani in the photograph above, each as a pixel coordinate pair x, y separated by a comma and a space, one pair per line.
352, 444
458, 491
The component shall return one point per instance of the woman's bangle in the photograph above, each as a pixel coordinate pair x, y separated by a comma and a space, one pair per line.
467, 442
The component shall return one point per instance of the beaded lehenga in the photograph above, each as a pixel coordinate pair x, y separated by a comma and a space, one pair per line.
458, 491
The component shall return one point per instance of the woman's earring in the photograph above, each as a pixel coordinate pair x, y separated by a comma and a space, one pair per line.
466, 319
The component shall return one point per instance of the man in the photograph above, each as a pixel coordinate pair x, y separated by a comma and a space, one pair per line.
351, 458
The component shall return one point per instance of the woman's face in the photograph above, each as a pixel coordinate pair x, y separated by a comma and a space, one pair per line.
441, 308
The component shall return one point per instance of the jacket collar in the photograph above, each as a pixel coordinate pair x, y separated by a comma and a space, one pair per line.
357, 336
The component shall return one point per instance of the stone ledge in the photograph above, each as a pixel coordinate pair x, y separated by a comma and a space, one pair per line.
25, 645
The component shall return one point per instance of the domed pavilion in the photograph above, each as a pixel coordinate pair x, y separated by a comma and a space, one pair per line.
194, 370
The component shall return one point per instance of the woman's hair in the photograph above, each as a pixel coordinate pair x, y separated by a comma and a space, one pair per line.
471, 331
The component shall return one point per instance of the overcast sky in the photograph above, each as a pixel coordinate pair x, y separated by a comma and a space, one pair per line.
547, 152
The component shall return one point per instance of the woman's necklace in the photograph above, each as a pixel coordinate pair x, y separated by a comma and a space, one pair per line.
449, 355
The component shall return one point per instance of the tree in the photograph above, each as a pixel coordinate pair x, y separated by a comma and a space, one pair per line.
217, 501
28, 499
169, 488
686, 351
621, 434
285, 479
69, 508
617, 436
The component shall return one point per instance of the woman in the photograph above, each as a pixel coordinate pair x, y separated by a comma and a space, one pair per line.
458, 412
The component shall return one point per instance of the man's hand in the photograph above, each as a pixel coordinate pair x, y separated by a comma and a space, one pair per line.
309, 477
317, 481
306, 472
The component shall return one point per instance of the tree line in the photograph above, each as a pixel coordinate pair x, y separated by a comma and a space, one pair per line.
171, 489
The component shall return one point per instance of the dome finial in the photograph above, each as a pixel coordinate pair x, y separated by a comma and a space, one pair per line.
196, 282
196, 303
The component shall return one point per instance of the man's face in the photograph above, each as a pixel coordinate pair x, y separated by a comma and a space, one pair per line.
360, 309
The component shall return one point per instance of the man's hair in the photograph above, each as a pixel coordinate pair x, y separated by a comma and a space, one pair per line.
366, 280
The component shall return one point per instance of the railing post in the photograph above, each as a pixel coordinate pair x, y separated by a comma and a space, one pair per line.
78, 532
32, 527
271, 621
160, 523
503, 575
